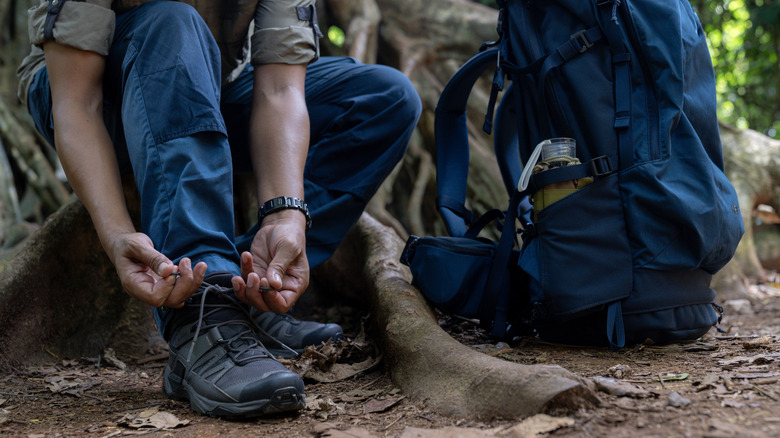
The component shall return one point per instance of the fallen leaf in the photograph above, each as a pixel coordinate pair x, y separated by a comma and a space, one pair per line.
41, 371
678, 401
349, 433
721, 428
71, 384
671, 377
341, 371
323, 407
701, 346
731, 403
110, 357
620, 371
321, 428
707, 382
620, 389
758, 359
146, 413
758, 342
535, 426
361, 394
447, 432
4, 415
159, 420
375, 405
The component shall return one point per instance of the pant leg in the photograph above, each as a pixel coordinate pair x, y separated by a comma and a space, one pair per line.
162, 87
361, 119
161, 107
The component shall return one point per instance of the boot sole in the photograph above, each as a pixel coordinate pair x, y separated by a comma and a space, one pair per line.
284, 399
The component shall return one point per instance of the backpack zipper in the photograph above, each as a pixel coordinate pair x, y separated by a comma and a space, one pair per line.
650, 88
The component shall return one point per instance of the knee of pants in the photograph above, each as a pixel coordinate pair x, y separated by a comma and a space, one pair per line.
176, 19
399, 110
406, 103
165, 34
173, 89
365, 132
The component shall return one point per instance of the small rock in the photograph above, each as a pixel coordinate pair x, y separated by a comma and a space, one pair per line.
620, 389
620, 371
760, 342
678, 401
739, 307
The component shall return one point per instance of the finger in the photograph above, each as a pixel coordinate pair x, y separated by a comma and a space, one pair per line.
187, 282
182, 280
246, 264
255, 296
280, 301
279, 265
274, 277
239, 288
146, 254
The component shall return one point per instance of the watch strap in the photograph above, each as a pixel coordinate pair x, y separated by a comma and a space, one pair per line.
283, 203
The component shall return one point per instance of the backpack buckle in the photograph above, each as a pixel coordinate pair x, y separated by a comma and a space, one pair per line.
585, 43
601, 166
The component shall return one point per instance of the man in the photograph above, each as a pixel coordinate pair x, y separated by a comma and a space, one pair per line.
184, 95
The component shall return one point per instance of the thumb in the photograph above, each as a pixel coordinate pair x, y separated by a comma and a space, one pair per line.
278, 267
146, 254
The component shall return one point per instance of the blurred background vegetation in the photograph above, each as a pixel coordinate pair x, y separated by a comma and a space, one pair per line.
744, 39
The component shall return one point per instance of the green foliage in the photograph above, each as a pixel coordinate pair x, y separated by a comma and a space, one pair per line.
744, 41
336, 36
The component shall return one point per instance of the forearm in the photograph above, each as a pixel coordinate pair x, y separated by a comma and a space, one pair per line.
89, 162
82, 141
280, 141
279, 131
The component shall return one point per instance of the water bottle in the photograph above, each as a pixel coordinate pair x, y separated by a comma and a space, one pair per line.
557, 152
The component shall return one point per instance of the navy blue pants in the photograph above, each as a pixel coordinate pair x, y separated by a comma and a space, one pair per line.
183, 135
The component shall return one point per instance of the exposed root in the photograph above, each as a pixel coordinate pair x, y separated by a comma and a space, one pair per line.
426, 362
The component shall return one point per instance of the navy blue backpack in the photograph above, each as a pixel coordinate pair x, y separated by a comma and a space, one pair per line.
627, 257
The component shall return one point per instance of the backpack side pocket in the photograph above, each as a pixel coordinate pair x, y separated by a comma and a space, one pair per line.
578, 257
451, 272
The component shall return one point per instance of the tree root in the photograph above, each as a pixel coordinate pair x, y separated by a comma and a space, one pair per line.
427, 363
60, 296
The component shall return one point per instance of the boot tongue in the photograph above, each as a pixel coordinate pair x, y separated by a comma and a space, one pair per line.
230, 312
216, 286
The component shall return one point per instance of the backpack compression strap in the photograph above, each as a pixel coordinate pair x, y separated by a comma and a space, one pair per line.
452, 143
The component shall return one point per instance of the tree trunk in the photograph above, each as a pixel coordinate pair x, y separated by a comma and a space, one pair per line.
753, 166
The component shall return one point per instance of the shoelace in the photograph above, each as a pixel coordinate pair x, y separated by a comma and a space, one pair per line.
250, 341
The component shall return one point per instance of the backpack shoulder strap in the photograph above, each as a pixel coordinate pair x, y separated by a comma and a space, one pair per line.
507, 147
452, 143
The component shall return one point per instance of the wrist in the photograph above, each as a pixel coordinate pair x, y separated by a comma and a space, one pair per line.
284, 204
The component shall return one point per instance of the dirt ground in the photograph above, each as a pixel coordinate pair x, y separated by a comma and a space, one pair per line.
723, 385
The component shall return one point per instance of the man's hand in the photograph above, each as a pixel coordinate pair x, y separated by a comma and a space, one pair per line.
149, 276
276, 270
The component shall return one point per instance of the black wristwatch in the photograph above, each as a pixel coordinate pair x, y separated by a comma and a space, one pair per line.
283, 203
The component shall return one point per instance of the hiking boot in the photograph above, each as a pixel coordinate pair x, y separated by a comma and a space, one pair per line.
287, 337
217, 363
